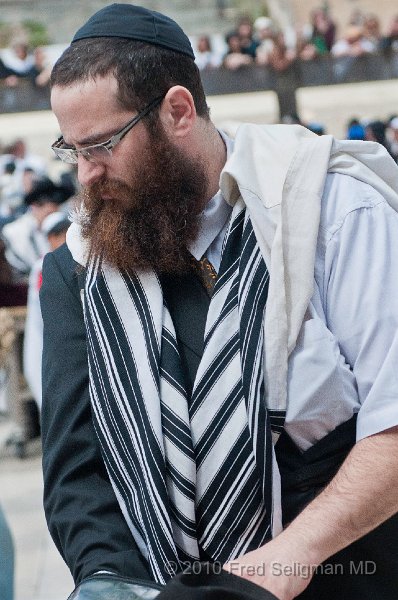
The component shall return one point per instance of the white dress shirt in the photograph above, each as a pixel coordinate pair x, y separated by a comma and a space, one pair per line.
213, 223
346, 356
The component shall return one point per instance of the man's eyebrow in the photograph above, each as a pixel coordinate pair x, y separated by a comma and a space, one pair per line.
98, 138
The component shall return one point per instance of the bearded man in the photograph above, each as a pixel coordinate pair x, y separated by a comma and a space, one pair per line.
220, 340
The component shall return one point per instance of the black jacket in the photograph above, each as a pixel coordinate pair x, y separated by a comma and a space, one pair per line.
83, 515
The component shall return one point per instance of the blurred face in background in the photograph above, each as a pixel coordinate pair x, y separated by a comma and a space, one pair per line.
41, 210
56, 240
204, 44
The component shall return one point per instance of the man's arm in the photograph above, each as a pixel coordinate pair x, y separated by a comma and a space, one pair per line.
361, 496
361, 304
83, 515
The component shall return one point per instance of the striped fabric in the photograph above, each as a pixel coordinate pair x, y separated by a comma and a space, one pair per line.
192, 475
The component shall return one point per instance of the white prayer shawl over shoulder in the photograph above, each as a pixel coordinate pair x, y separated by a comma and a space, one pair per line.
280, 172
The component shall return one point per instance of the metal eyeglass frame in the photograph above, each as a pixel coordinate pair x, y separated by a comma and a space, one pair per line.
71, 155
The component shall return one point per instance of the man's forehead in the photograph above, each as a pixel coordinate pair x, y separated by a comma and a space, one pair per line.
100, 87
87, 108
86, 100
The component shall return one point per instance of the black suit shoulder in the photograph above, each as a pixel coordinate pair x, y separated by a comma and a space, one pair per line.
71, 272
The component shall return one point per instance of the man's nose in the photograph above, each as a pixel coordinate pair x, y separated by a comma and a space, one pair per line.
89, 172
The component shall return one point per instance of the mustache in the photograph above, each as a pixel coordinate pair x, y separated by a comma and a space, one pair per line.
112, 191
105, 186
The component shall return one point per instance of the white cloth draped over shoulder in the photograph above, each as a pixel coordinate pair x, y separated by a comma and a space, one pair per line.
280, 172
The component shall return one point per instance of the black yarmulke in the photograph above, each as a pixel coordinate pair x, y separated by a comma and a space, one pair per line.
136, 23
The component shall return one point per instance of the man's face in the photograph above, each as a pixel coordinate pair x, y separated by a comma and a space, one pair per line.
88, 113
141, 204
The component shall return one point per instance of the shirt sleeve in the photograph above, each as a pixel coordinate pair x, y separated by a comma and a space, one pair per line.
361, 300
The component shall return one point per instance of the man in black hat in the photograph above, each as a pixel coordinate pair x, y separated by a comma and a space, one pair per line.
215, 373
24, 239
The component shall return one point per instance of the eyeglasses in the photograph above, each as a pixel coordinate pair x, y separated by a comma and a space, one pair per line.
98, 153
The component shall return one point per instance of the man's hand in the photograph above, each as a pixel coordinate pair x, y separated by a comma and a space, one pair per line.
361, 496
274, 569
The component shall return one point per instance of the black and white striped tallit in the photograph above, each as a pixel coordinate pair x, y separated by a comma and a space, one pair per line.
192, 475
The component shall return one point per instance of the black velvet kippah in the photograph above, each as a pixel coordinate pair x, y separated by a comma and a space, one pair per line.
136, 23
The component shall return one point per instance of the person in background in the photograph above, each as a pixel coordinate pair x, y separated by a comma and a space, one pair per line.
390, 41
355, 130
18, 58
281, 57
11, 194
354, 43
265, 31
316, 38
235, 58
54, 227
18, 168
41, 69
248, 43
372, 31
375, 131
205, 57
393, 137
323, 30
24, 238
18, 153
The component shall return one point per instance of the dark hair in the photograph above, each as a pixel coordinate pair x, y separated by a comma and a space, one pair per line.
143, 71
9, 168
378, 129
59, 228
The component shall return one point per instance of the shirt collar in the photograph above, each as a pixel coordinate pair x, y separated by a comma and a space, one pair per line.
214, 217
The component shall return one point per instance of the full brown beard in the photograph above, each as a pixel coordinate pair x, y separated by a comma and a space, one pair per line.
154, 220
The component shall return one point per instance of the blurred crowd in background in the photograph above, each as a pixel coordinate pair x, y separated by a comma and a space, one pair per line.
34, 218
263, 42
252, 42
385, 132
19, 61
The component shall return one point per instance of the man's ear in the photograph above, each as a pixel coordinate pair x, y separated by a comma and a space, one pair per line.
178, 111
